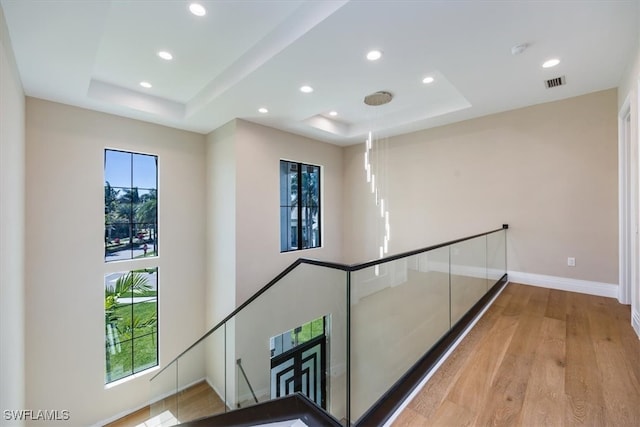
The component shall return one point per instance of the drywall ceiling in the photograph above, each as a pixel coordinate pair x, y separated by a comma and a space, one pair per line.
246, 55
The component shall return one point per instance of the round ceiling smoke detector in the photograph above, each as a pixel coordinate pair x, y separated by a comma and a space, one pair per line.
378, 98
519, 48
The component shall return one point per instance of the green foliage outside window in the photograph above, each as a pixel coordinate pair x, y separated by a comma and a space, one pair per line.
299, 206
131, 319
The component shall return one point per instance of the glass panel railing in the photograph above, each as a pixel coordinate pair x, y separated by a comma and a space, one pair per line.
468, 275
293, 338
343, 335
197, 381
164, 406
200, 379
399, 310
496, 256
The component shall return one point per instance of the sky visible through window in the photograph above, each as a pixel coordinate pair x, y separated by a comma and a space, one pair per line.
119, 172
131, 233
130, 205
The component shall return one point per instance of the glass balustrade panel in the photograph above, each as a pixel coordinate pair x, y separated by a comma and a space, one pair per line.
193, 386
399, 310
201, 379
292, 338
496, 256
164, 406
468, 275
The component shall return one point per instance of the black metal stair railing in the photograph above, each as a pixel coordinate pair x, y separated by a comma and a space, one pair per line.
244, 376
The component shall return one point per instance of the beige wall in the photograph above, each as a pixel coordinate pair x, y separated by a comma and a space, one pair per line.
12, 230
258, 152
221, 257
221, 223
243, 216
243, 187
65, 265
550, 171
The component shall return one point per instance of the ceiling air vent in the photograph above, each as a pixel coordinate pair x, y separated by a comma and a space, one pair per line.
558, 81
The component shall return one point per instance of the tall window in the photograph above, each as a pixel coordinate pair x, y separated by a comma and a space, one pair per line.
131, 322
130, 205
299, 206
130, 236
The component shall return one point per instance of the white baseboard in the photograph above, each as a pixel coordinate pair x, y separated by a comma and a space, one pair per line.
227, 402
635, 322
565, 284
148, 403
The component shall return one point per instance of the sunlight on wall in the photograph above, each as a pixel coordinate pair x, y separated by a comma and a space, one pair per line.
165, 419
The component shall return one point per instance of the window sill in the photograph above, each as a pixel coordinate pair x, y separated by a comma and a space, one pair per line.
300, 250
131, 377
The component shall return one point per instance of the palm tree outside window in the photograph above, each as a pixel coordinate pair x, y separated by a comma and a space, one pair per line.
131, 285
130, 205
299, 206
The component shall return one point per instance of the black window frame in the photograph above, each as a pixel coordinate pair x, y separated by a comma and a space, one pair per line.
128, 308
142, 238
301, 242
131, 225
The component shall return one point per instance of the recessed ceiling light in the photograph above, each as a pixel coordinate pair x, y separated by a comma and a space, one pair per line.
374, 55
427, 80
263, 110
145, 85
333, 113
306, 89
551, 63
197, 9
165, 55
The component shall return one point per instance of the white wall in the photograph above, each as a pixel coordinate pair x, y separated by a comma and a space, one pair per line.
221, 223
65, 262
629, 81
629, 90
12, 230
550, 171
221, 256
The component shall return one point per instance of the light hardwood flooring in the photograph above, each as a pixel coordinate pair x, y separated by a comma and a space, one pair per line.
195, 402
538, 357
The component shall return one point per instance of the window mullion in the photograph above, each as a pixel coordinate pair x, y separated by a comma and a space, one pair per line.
131, 217
300, 242
133, 366
319, 184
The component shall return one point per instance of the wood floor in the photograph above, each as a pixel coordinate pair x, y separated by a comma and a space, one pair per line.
538, 357
197, 401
